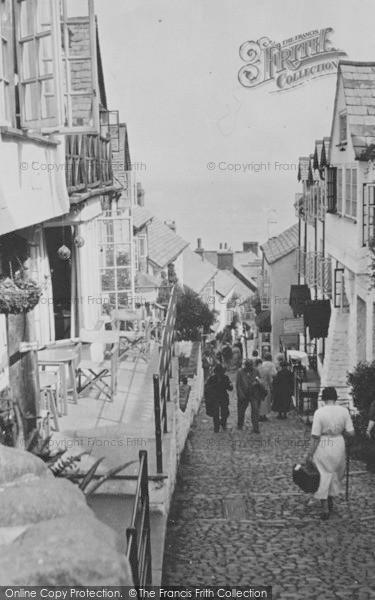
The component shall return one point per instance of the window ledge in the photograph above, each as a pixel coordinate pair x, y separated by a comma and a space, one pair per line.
18, 134
349, 218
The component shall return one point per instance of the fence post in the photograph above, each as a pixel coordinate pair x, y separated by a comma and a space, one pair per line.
159, 449
131, 536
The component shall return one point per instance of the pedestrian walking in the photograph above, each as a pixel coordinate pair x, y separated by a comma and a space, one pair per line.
207, 363
227, 355
267, 372
248, 392
282, 390
236, 357
327, 448
217, 398
278, 360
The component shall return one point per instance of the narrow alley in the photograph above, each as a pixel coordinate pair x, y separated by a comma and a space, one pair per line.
238, 519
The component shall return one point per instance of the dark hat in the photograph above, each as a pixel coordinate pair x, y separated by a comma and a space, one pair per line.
329, 393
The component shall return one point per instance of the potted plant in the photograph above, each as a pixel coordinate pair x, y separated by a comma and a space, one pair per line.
362, 382
18, 295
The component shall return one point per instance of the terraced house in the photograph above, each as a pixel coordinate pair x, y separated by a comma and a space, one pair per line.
336, 229
65, 220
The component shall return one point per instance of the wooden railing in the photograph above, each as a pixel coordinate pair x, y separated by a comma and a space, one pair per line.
162, 385
88, 162
138, 534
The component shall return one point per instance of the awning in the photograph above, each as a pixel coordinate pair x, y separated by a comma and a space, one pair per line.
317, 316
299, 295
263, 321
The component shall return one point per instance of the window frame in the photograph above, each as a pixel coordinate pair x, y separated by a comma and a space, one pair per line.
353, 200
7, 87
62, 119
343, 118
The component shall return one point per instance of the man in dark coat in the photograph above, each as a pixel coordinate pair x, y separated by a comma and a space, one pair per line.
216, 397
247, 393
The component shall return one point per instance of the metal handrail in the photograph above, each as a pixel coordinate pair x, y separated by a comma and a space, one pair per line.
161, 379
138, 534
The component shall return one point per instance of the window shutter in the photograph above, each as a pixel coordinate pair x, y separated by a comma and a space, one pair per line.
331, 179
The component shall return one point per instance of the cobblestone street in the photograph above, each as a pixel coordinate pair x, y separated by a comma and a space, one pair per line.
238, 519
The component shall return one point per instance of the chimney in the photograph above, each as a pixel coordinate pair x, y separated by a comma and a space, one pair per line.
225, 258
220, 246
199, 249
251, 247
171, 225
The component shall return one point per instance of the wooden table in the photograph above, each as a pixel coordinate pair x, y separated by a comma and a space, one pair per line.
63, 358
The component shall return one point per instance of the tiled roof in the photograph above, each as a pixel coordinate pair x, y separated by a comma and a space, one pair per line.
303, 168
141, 216
281, 245
197, 272
359, 89
223, 282
163, 244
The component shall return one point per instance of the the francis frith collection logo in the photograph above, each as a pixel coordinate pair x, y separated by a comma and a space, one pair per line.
289, 63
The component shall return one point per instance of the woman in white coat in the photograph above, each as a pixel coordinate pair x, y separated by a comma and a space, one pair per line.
327, 448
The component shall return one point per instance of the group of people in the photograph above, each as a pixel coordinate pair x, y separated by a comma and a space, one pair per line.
267, 386
260, 384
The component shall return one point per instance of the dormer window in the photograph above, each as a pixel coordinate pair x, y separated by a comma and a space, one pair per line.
343, 127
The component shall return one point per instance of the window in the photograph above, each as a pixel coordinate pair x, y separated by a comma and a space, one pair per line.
343, 127
115, 242
56, 55
110, 128
339, 296
339, 191
37, 34
368, 217
7, 99
351, 192
331, 174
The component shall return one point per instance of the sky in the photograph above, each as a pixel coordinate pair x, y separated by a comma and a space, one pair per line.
171, 68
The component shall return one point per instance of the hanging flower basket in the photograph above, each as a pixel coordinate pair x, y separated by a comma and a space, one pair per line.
18, 295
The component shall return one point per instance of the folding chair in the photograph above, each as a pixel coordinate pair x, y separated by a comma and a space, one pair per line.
134, 342
94, 373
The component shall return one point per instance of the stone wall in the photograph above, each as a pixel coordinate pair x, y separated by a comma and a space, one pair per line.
48, 534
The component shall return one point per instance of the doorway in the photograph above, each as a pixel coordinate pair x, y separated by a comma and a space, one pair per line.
61, 278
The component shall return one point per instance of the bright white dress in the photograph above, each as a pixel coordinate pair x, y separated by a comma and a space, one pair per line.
329, 423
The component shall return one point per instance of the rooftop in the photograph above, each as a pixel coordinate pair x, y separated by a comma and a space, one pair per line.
164, 246
281, 245
141, 216
359, 89
197, 272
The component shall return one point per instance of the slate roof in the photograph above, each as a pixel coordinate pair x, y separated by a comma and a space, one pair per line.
281, 245
359, 89
247, 265
164, 246
211, 256
141, 216
197, 272
225, 278
223, 282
